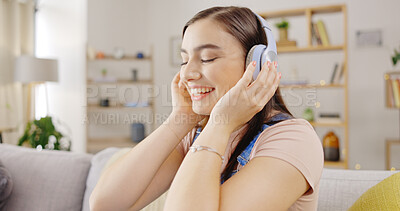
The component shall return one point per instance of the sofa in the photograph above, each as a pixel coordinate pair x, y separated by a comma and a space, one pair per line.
56, 180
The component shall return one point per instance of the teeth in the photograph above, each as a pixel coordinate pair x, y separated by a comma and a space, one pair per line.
199, 91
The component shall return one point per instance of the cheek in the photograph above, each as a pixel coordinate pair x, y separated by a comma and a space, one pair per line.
232, 74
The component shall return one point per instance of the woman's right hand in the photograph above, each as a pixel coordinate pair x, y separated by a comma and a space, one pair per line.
182, 103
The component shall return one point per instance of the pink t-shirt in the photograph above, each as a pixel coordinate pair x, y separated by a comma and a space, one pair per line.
293, 141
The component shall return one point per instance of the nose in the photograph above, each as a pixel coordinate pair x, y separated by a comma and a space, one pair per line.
190, 72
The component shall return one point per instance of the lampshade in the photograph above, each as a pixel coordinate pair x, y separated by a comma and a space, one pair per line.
31, 69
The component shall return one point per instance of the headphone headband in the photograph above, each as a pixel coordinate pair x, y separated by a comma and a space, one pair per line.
270, 38
262, 53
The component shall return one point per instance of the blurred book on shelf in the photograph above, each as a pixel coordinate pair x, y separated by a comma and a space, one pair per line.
337, 73
323, 33
331, 118
392, 89
319, 34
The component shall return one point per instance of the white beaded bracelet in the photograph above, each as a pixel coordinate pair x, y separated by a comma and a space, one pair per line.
196, 148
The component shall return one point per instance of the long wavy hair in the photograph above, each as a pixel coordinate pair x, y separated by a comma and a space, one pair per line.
243, 24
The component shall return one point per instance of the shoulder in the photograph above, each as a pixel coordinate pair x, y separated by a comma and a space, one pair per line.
296, 142
298, 130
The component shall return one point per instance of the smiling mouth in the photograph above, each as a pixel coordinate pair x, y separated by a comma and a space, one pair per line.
200, 93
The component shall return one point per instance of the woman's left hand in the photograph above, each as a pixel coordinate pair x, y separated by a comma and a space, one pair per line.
246, 98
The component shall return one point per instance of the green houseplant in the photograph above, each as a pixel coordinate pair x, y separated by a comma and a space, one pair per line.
395, 57
283, 24
41, 134
283, 29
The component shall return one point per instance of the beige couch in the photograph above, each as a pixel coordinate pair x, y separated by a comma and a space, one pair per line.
53, 180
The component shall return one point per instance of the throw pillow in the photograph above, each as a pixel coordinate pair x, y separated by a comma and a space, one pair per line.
383, 196
6, 185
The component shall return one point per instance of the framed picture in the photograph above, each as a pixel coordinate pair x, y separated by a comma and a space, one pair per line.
369, 38
175, 51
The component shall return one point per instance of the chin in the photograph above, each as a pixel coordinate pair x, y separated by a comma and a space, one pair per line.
201, 110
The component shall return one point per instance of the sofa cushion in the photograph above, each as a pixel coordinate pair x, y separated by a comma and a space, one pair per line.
102, 161
6, 185
385, 195
339, 188
98, 162
45, 180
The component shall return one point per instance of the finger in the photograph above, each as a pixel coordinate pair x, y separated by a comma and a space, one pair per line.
248, 74
264, 73
264, 95
261, 81
176, 79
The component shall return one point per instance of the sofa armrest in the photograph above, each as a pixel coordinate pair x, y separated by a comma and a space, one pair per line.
339, 188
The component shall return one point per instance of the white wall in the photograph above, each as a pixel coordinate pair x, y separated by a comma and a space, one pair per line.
61, 34
370, 122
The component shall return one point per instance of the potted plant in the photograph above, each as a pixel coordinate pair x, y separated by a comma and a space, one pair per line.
283, 27
395, 57
41, 134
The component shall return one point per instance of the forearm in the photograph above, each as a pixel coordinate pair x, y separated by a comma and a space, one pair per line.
125, 181
197, 183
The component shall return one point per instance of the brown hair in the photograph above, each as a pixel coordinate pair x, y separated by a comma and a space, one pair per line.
243, 24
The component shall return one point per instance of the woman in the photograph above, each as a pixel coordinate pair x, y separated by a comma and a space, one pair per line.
250, 155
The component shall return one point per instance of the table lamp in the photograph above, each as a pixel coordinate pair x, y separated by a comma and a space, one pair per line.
32, 71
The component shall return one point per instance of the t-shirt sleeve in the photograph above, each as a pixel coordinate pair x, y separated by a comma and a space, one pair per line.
296, 142
184, 145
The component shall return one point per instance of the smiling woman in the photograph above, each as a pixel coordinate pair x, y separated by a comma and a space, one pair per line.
228, 134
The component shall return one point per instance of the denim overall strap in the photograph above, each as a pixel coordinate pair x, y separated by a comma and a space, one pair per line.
198, 131
244, 157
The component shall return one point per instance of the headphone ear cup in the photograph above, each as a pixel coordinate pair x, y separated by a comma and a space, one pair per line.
256, 54
249, 57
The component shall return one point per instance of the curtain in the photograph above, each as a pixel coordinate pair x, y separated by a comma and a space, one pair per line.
16, 38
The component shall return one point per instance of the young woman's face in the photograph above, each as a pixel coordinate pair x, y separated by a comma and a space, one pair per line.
213, 62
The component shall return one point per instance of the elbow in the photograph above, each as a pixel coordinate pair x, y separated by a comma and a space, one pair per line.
103, 203
96, 203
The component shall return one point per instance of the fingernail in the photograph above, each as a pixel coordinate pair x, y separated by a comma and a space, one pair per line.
254, 63
280, 75
276, 64
268, 63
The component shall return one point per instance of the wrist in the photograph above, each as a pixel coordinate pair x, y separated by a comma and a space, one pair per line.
178, 125
181, 118
221, 121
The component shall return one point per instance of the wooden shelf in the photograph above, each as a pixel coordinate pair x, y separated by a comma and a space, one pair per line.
95, 145
327, 9
336, 164
125, 58
121, 82
308, 86
309, 17
302, 11
295, 49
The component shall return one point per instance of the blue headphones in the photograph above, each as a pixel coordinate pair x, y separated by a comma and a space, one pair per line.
261, 53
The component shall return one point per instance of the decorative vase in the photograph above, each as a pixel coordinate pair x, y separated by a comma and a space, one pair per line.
137, 132
283, 34
331, 147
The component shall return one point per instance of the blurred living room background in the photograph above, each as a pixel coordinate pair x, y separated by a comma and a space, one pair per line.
102, 70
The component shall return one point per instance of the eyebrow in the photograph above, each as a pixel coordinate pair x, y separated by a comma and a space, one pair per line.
201, 47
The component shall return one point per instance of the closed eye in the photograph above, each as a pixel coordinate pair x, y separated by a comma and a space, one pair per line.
208, 60
183, 63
